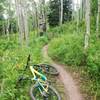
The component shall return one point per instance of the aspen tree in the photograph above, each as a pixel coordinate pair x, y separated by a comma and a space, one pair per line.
61, 12
98, 19
87, 34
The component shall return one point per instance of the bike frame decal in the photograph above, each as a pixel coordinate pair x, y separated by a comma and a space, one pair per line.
40, 82
36, 72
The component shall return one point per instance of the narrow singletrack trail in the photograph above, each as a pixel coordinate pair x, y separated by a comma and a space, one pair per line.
70, 85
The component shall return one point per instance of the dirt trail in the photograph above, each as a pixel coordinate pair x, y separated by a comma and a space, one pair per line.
70, 85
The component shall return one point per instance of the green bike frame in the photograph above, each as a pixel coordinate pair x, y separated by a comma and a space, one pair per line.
41, 82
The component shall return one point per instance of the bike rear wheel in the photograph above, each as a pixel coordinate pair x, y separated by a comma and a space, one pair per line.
51, 95
49, 69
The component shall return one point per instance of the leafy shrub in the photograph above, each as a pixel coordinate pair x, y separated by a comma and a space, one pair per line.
4, 45
93, 59
13, 59
60, 30
42, 40
67, 49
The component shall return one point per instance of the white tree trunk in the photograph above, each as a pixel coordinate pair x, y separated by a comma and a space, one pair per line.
73, 11
98, 19
77, 6
21, 9
7, 29
61, 13
83, 8
3, 27
87, 34
37, 17
42, 19
26, 27
18, 12
35, 13
8, 19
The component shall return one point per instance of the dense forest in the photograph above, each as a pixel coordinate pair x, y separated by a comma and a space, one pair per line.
71, 31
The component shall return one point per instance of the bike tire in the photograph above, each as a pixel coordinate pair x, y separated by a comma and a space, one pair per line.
50, 96
50, 69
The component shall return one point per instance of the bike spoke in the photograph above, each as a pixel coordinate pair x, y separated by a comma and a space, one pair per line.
52, 95
37, 94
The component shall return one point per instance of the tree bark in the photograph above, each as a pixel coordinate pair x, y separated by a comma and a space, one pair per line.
73, 11
61, 13
8, 19
35, 13
7, 29
3, 28
26, 27
83, 8
98, 20
18, 12
21, 9
87, 34
42, 19
77, 6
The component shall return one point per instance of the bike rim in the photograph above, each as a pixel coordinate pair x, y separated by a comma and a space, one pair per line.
37, 94
51, 95
50, 69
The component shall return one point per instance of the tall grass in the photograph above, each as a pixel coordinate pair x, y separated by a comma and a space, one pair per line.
12, 60
67, 46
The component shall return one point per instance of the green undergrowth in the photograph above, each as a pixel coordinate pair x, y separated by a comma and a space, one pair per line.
68, 48
67, 28
12, 60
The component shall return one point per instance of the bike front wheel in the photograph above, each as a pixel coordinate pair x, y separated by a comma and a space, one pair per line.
49, 69
51, 95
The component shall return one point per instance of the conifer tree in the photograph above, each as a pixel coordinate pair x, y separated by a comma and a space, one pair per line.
55, 11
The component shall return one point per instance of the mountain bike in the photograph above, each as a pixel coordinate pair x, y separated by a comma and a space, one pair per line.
41, 90
45, 67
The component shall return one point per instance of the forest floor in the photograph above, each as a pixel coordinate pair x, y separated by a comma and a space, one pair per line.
71, 88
